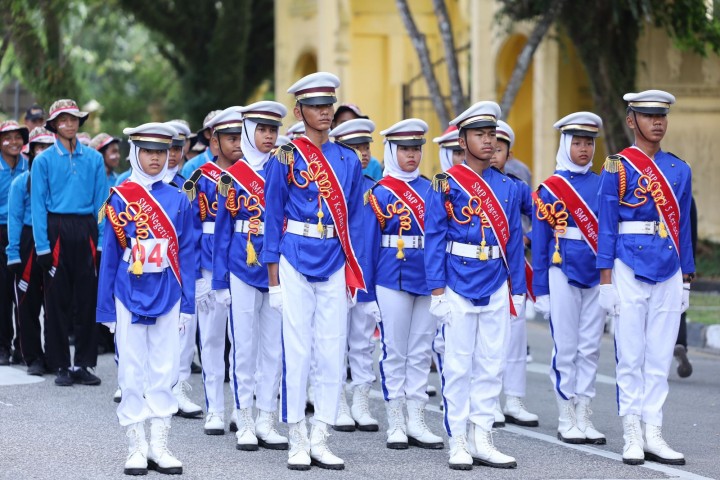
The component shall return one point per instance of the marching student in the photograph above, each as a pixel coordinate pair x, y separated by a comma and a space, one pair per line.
204, 137
565, 281
146, 289
407, 327
176, 153
364, 316
256, 354
473, 246
201, 188
646, 265
314, 187
451, 153
68, 187
109, 148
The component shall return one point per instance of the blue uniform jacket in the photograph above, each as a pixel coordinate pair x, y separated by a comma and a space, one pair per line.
472, 278
149, 295
407, 274
66, 184
316, 258
178, 180
205, 241
652, 258
369, 266
195, 163
578, 259
18, 215
7, 175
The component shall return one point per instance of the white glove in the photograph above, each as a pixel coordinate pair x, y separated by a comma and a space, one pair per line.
202, 295
440, 308
223, 297
609, 299
685, 298
370, 309
542, 306
110, 326
519, 303
276, 298
183, 320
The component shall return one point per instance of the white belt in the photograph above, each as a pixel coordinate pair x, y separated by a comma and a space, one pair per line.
572, 233
243, 226
472, 251
638, 228
411, 241
209, 227
310, 229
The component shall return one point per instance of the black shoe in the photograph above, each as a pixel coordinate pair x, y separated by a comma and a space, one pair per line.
63, 379
36, 368
16, 358
684, 368
195, 368
4, 357
84, 377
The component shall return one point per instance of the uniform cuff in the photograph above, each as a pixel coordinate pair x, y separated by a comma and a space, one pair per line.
13, 261
605, 262
433, 284
39, 252
270, 257
220, 285
105, 317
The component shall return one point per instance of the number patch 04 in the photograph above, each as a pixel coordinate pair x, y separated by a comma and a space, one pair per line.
152, 253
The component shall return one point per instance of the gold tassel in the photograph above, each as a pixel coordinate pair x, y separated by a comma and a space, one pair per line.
662, 230
400, 246
137, 268
224, 184
483, 256
320, 216
612, 163
101, 214
251, 254
556, 258
440, 182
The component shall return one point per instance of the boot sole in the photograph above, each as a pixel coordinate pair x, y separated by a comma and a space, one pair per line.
572, 441
367, 428
596, 441
522, 423
498, 425
344, 428
117, 400
247, 447
484, 463
214, 432
302, 468
429, 446
183, 414
168, 471
397, 446
633, 461
665, 461
460, 466
135, 471
327, 466
273, 446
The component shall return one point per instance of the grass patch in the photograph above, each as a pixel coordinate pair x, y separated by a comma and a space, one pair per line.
704, 308
707, 259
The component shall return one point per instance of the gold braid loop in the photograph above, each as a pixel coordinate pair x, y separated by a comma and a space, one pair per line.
556, 215
117, 225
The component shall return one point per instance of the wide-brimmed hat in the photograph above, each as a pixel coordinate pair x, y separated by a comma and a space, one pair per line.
64, 106
13, 126
102, 140
41, 135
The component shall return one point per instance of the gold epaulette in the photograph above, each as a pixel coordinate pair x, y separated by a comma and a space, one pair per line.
350, 147
224, 184
440, 182
286, 153
612, 163
101, 212
366, 196
190, 187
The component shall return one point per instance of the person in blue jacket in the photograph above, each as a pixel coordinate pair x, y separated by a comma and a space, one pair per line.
646, 265
565, 279
204, 137
146, 292
175, 156
474, 261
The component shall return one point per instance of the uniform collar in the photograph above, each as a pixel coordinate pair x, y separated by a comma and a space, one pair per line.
79, 148
22, 163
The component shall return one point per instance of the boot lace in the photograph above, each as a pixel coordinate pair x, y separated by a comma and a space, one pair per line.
134, 434
396, 417
344, 408
298, 441
420, 415
585, 413
246, 418
459, 444
362, 401
655, 438
634, 435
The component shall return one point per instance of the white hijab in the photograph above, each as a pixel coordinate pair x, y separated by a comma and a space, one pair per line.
446, 158
171, 172
138, 175
254, 157
392, 168
563, 156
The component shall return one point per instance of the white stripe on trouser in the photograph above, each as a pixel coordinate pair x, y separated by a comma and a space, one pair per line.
577, 322
212, 326
255, 356
645, 335
407, 334
187, 348
147, 365
514, 372
360, 346
475, 342
314, 323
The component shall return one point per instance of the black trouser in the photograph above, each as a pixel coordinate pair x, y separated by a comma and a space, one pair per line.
8, 305
71, 290
682, 332
29, 295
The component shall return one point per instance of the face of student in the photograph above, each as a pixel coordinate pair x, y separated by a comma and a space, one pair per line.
479, 143
152, 161
317, 117
39, 147
228, 145
652, 127
501, 156
581, 150
35, 122
67, 126
344, 117
458, 157
112, 156
11, 144
364, 149
174, 156
409, 157
265, 137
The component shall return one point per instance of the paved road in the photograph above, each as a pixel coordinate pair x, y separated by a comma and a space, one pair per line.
47, 432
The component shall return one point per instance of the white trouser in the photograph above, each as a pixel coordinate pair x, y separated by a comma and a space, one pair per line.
314, 324
360, 346
645, 334
255, 355
187, 348
475, 343
406, 330
515, 371
576, 326
147, 365
212, 326
438, 348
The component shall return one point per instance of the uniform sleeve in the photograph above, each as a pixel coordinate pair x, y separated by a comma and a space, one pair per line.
687, 257
100, 193
372, 249
109, 264
38, 201
515, 247
16, 213
189, 259
276, 195
221, 246
196, 235
542, 235
436, 228
357, 215
608, 216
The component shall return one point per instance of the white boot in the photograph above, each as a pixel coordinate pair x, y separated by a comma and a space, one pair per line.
160, 458
361, 410
186, 408
483, 450
419, 435
267, 436
568, 431
299, 454
215, 423
632, 434
136, 463
460, 458
246, 439
515, 412
657, 450
584, 424
344, 421
320, 454
396, 434
499, 416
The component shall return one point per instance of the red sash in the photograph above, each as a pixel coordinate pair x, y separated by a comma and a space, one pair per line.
670, 209
334, 199
159, 222
406, 194
211, 171
529, 280
248, 179
582, 214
